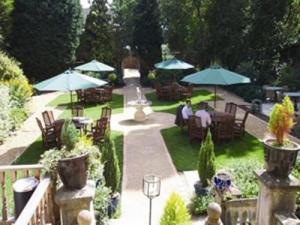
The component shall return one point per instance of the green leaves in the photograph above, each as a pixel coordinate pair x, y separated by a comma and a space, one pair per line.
175, 212
206, 161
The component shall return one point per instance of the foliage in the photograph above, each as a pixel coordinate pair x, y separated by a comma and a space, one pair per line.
6, 7
147, 34
175, 212
151, 75
112, 77
111, 164
17, 116
45, 35
5, 121
248, 91
101, 203
9, 69
96, 42
244, 178
281, 120
206, 160
200, 204
69, 135
289, 75
20, 92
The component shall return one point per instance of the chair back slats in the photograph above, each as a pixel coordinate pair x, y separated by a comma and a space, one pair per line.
231, 108
78, 111
48, 118
99, 130
225, 129
106, 112
195, 130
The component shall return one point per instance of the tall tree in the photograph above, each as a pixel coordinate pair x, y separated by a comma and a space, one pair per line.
176, 20
6, 7
266, 36
224, 35
45, 35
147, 34
96, 42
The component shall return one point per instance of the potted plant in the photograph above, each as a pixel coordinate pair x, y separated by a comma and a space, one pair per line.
72, 161
206, 165
280, 153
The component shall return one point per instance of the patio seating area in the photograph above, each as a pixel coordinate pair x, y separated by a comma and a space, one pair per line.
95, 95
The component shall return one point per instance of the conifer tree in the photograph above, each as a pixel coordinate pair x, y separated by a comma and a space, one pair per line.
45, 35
96, 42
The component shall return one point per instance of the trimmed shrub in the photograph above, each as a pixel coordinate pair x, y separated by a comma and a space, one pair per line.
281, 120
5, 121
69, 135
111, 164
9, 68
175, 212
206, 162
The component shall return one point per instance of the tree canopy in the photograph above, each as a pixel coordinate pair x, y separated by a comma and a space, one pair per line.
45, 35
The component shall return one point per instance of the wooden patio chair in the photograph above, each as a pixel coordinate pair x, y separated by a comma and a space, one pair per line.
98, 131
231, 108
48, 135
78, 111
80, 95
107, 94
224, 130
195, 130
239, 125
106, 113
48, 118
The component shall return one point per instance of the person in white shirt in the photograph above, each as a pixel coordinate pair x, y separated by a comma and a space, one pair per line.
203, 114
187, 110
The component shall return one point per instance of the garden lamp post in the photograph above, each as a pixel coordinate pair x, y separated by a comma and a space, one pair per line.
151, 188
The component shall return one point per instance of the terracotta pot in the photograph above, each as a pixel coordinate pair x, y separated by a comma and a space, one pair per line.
279, 161
73, 171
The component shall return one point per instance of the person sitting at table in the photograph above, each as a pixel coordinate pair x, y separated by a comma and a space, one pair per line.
187, 110
203, 114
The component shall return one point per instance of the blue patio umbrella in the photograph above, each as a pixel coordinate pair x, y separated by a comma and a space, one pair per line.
95, 66
173, 64
216, 75
69, 81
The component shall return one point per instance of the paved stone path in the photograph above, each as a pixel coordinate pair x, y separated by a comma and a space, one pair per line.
145, 153
16, 144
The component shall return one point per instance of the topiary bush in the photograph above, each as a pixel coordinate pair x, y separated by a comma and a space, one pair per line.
206, 160
281, 120
110, 160
5, 121
175, 212
9, 69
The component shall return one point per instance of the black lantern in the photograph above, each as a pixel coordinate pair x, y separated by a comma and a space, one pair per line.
151, 188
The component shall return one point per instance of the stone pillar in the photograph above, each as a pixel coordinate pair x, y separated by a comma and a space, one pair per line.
214, 212
71, 202
275, 196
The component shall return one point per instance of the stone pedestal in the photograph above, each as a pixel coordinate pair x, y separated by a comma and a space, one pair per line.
72, 202
275, 195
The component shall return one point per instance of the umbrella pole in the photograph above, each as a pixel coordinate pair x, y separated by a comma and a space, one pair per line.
71, 100
215, 101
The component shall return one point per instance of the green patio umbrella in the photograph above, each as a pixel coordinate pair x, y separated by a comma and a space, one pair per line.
69, 81
216, 75
173, 64
95, 66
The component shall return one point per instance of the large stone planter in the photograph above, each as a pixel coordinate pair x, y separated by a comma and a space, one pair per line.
279, 161
73, 171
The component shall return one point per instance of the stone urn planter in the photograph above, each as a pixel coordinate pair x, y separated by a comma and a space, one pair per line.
73, 172
279, 161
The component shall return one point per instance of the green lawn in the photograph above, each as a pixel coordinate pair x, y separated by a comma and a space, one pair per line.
185, 154
33, 152
170, 106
